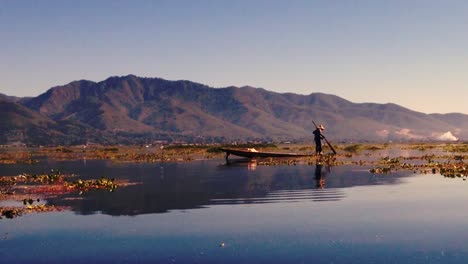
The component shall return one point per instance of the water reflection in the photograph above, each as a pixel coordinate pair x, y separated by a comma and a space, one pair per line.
165, 187
319, 178
252, 165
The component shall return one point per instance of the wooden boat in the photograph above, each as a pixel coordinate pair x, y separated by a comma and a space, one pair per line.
249, 153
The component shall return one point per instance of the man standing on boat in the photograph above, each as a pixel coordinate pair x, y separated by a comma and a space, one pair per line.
318, 139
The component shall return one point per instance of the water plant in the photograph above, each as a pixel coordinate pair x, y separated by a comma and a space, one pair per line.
17, 158
12, 212
429, 158
85, 185
374, 148
25, 186
454, 170
390, 161
459, 148
422, 147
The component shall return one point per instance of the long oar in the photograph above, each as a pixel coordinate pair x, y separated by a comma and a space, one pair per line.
328, 143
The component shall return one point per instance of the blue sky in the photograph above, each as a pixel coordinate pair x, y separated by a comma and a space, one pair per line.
413, 53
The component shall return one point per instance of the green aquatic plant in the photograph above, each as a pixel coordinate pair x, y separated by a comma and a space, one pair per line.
422, 147
17, 158
12, 212
390, 161
388, 164
21, 188
429, 158
373, 148
86, 185
453, 170
303, 149
52, 176
459, 148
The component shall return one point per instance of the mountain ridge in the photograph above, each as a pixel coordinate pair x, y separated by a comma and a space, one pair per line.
129, 107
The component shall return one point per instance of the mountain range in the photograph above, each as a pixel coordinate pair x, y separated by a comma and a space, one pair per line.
135, 110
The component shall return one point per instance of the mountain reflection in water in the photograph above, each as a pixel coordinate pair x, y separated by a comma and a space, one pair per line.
180, 186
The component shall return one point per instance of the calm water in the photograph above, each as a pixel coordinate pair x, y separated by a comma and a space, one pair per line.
207, 212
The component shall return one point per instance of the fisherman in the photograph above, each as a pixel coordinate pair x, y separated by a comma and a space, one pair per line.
318, 139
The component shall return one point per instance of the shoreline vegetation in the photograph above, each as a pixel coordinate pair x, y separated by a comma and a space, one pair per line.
24, 193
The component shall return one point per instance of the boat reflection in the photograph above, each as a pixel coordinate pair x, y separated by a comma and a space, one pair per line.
252, 165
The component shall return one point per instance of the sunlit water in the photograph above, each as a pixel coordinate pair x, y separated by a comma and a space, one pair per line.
208, 212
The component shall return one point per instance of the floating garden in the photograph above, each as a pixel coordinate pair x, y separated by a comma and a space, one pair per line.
32, 189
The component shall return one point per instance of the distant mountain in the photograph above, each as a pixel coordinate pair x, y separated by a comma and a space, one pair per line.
132, 109
23, 125
11, 98
18, 122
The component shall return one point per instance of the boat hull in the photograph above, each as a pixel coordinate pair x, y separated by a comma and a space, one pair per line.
253, 154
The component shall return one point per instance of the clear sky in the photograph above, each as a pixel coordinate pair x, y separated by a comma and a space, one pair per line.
410, 52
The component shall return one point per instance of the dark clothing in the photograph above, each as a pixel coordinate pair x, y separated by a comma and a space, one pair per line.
318, 140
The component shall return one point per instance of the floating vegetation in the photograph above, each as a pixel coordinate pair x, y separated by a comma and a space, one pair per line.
53, 176
374, 148
12, 212
390, 161
451, 166
30, 189
423, 147
429, 158
355, 148
17, 158
306, 149
459, 170
459, 148
10, 185
56, 178
86, 185
386, 165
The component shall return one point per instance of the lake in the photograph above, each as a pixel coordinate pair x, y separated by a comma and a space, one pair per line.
210, 212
